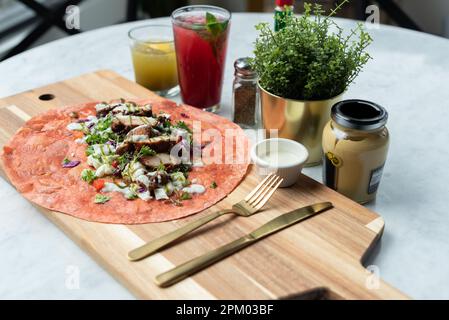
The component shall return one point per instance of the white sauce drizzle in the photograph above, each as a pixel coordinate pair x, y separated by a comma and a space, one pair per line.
138, 138
104, 170
112, 187
194, 188
160, 193
75, 126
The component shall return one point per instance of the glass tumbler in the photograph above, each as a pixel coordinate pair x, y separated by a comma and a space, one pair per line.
154, 59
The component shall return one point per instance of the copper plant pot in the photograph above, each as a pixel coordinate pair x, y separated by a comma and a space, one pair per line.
302, 121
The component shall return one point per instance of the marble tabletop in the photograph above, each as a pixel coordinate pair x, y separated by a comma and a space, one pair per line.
408, 75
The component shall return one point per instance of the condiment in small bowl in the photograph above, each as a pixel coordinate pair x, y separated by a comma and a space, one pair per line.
284, 157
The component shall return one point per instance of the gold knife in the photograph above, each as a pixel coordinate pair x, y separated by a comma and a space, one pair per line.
189, 268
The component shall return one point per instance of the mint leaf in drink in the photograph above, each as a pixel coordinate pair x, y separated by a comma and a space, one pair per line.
210, 18
214, 26
224, 25
214, 31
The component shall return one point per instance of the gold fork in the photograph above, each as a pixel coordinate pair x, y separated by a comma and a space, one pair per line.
253, 202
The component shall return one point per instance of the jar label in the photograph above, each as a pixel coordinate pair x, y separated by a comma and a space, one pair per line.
331, 163
374, 180
334, 159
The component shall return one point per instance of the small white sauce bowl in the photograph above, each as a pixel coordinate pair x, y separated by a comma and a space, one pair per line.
283, 157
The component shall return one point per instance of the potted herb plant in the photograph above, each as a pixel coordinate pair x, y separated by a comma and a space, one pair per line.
303, 70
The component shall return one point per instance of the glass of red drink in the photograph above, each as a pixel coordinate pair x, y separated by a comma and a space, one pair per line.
201, 39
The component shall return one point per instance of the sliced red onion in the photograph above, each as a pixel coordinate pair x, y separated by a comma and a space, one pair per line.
71, 164
184, 115
141, 190
111, 143
82, 120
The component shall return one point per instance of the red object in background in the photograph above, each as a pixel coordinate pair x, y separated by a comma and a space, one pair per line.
282, 3
201, 62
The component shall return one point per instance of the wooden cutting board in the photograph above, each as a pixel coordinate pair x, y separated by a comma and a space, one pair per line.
318, 258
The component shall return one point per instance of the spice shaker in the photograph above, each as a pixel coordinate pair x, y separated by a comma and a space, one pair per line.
245, 94
355, 145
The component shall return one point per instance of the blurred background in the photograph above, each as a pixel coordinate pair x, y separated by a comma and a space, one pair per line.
25, 24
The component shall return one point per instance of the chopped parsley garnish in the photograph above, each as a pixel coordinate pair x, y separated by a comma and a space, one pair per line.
166, 124
213, 185
65, 161
104, 123
131, 196
94, 138
101, 133
100, 199
88, 175
101, 137
183, 125
185, 196
184, 168
161, 167
89, 150
123, 160
146, 151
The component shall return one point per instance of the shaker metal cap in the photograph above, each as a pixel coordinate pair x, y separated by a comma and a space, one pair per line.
243, 68
359, 115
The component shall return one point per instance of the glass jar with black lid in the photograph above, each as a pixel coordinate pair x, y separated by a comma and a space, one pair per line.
355, 145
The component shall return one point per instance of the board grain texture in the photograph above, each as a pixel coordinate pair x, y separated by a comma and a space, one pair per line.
320, 258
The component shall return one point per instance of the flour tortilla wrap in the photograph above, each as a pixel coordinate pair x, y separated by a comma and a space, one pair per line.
32, 161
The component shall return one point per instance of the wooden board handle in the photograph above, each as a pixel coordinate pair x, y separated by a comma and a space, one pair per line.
358, 283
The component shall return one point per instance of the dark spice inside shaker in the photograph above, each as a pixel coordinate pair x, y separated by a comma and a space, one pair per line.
245, 104
245, 93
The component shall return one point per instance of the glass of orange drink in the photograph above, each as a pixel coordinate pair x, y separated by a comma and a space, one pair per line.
154, 58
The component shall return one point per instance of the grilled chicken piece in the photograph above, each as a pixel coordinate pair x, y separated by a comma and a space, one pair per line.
160, 144
153, 162
121, 123
161, 178
124, 108
123, 147
103, 109
134, 109
145, 130
136, 135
